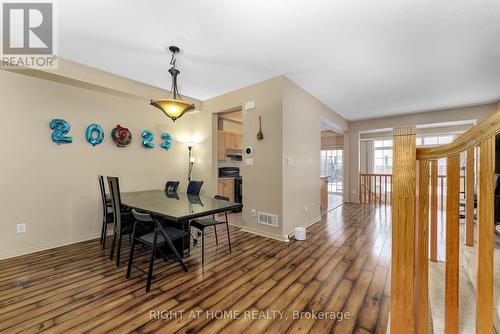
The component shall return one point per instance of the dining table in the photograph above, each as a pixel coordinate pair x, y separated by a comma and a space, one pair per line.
176, 208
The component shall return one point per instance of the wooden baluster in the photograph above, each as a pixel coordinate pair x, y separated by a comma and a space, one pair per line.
442, 194
370, 189
403, 231
484, 291
365, 182
380, 189
422, 249
452, 243
365, 189
360, 188
391, 188
385, 190
434, 206
469, 198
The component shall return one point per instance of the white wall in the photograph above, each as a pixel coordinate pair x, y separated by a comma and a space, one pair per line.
53, 188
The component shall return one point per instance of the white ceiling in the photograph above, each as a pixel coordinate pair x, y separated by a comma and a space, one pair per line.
364, 59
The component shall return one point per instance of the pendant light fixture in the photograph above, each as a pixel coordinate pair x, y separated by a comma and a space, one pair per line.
173, 107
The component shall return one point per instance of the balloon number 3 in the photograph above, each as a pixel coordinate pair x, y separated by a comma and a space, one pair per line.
61, 128
95, 134
148, 137
167, 141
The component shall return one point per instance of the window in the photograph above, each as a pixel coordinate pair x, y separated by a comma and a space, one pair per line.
331, 164
382, 152
436, 140
382, 156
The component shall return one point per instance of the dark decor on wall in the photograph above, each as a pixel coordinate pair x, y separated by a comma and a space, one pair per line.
121, 136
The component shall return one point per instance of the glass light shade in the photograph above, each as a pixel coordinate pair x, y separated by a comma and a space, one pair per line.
173, 108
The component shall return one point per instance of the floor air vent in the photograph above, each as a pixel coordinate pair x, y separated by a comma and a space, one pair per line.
267, 219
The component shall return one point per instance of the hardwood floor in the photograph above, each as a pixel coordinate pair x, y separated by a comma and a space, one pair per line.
343, 266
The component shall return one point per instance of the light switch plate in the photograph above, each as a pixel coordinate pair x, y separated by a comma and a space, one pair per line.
21, 228
250, 105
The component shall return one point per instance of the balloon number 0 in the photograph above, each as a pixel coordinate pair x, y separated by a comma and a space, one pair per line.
167, 141
61, 128
148, 138
95, 134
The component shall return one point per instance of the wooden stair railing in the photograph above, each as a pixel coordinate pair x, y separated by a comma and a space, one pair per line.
412, 169
370, 193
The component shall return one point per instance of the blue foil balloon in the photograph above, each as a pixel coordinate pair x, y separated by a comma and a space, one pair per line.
95, 134
147, 139
61, 128
167, 141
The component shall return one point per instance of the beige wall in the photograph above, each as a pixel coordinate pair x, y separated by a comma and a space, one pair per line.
262, 182
53, 188
302, 118
475, 113
331, 141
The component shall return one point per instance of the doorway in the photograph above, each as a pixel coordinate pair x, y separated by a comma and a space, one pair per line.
332, 166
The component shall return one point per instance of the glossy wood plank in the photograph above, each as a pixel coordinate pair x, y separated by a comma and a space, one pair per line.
403, 233
75, 289
434, 210
469, 198
484, 291
422, 250
452, 244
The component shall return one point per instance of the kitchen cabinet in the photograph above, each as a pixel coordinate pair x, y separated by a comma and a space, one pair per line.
238, 141
226, 188
221, 139
228, 140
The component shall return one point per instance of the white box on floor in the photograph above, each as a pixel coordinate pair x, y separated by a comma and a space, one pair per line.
300, 233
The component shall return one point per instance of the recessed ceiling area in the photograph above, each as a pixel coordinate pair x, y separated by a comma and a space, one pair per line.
363, 59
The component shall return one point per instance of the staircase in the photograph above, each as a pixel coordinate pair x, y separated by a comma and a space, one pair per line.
467, 308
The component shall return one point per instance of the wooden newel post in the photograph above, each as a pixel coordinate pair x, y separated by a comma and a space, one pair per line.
403, 231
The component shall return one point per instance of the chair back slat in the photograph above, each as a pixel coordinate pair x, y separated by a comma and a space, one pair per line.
114, 189
103, 194
171, 186
194, 187
142, 217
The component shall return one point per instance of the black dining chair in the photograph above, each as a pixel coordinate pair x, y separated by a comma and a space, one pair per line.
194, 187
202, 223
157, 240
171, 186
123, 221
107, 214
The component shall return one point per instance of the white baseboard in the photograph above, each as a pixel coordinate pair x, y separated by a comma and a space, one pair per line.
314, 221
50, 245
282, 238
